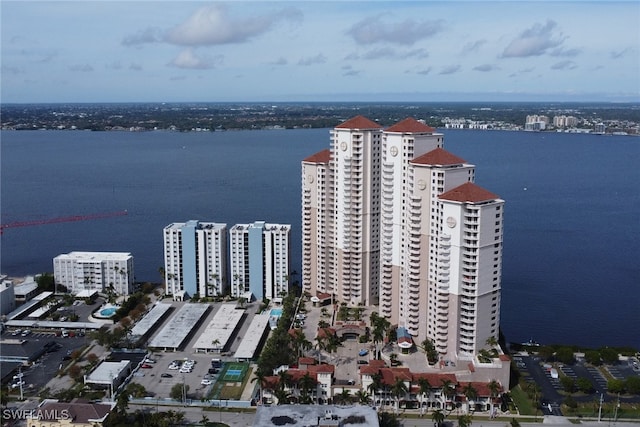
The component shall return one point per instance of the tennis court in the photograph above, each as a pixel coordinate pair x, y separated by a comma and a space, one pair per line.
234, 372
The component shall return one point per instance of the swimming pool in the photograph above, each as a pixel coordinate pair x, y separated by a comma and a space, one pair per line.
106, 311
276, 312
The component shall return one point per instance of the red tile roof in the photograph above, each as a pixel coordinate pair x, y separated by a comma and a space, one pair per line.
468, 192
505, 357
359, 122
325, 332
439, 157
322, 157
410, 125
306, 361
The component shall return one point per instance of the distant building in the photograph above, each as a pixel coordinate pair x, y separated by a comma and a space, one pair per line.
600, 128
565, 121
260, 255
536, 122
25, 290
7, 297
95, 271
195, 258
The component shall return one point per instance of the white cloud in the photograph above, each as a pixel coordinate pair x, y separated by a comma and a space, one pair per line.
622, 53
450, 69
424, 71
188, 59
318, 59
149, 35
212, 25
408, 32
534, 41
473, 46
564, 65
485, 68
84, 68
280, 61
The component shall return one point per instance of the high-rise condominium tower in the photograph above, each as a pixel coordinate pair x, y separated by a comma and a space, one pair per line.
260, 255
392, 219
195, 258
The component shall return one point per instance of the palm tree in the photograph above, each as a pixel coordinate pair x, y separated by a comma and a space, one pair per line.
438, 417
448, 391
471, 394
376, 384
399, 389
307, 385
343, 397
492, 342
204, 420
494, 389
285, 380
425, 388
259, 376
363, 397
283, 396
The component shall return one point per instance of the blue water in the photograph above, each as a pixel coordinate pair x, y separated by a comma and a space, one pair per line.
276, 312
571, 270
108, 312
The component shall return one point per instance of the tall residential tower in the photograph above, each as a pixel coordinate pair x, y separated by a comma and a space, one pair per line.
195, 258
392, 219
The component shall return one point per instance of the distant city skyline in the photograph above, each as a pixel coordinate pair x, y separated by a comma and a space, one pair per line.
414, 51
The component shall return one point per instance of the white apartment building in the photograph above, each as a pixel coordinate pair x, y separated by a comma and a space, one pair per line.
565, 121
195, 258
95, 271
260, 254
419, 280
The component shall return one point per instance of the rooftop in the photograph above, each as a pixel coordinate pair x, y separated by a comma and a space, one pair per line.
315, 415
179, 326
468, 192
410, 125
359, 122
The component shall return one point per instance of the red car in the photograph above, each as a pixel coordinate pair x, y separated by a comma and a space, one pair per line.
146, 366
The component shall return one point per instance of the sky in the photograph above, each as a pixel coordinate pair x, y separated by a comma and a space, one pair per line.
297, 51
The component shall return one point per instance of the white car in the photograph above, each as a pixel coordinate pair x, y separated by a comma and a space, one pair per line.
174, 367
185, 370
206, 382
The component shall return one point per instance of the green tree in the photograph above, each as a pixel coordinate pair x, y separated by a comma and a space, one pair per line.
565, 355
615, 386
423, 393
568, 384
471, 394
179, 391
136, 390
398, 390
122, 402
632, 385
438, 417
584, 385
464, 421
593, 357
386, 419
260, 377
363, 397
609, 355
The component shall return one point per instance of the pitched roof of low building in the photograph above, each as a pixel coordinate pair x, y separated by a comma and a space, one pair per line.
410, 125
359, 122
80, 411
470, 193
323, 156
439, 157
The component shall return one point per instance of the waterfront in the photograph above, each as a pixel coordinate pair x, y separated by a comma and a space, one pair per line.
570, 270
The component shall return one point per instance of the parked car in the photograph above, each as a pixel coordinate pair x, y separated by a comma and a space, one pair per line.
146, 366
25, 332
206, 382
16, 333
214, 370
174, 367
362, 362
165, 375
363, 352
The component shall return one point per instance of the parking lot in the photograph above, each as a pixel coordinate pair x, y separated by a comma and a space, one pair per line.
44, 368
